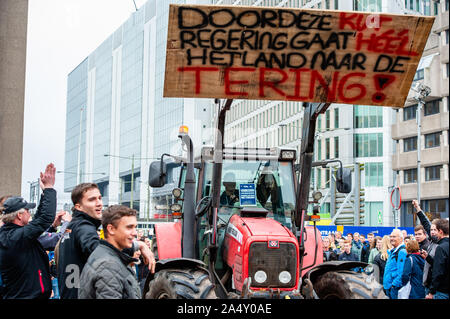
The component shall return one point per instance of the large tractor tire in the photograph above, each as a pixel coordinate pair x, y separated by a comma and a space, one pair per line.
348, 285
181, 284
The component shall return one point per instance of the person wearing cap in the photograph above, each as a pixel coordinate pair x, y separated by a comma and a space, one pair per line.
24, 265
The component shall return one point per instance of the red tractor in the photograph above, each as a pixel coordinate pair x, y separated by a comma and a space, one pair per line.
241, 231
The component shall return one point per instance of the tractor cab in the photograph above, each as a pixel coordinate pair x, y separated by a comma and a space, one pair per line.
251, 185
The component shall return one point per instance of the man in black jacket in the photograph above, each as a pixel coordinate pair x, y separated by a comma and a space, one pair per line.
81, 239
427, 245
439, 281
24, 264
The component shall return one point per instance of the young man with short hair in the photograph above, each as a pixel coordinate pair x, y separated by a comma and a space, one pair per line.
439, 281
81, 239
107, 273
425, 234
347, 254
366, 246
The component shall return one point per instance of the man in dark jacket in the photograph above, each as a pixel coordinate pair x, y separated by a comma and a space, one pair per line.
439, 281
427, 244
81, 239
365, 250
24, 264
107, 273
347, 254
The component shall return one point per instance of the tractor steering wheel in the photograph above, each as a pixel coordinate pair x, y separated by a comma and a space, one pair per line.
202, 206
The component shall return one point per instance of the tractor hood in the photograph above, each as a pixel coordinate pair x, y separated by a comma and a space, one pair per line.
265, 227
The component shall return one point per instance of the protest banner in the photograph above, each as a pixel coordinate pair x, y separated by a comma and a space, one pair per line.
289, 54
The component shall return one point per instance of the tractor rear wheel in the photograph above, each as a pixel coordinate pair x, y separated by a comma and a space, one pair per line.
348, 285
181, 284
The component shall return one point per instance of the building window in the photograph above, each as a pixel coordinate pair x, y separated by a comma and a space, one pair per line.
319, 150
368, 145
410, 176
327, 4
336, 118
374, 174
426, 7
436, 206
433, 173
431, 107
336, 147
432, 140
336, 4
367, 116
419, 75
410, 144
409, 112
327, 148
327, 119
327, 178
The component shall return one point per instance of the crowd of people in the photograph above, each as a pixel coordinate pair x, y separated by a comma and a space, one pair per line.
94, 253
89, 253
409, 267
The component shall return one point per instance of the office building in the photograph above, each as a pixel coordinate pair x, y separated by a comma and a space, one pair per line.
433, 72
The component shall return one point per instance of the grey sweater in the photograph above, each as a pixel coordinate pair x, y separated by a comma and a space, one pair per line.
107, 275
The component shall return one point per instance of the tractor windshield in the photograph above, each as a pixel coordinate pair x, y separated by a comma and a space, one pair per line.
262, 184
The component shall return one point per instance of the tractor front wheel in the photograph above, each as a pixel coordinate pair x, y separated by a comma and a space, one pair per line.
181, 284
348, 285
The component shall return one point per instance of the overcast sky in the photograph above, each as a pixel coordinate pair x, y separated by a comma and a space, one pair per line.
61, 34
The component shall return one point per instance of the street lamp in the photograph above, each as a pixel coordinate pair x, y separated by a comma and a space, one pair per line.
422, 92
79, 149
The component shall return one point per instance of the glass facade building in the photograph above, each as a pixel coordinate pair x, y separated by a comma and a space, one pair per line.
115, 100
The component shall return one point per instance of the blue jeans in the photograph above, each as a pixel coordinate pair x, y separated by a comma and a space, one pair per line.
440, 295
392, 293
55, 289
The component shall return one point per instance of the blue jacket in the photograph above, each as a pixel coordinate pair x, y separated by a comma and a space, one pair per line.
394, 267
414, 274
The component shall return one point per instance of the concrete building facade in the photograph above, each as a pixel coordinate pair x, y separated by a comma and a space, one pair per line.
433, 71
13, 42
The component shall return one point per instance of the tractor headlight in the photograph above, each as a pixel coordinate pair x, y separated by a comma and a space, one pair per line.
175, 207
284, 277
260, 276
176, 192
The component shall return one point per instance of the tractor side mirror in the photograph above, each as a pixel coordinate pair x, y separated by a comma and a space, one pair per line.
344, 180
157, 176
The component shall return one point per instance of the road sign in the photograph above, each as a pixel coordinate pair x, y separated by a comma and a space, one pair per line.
396, 198
264, 53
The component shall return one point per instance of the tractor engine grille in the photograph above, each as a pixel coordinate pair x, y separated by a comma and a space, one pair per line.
272, 261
